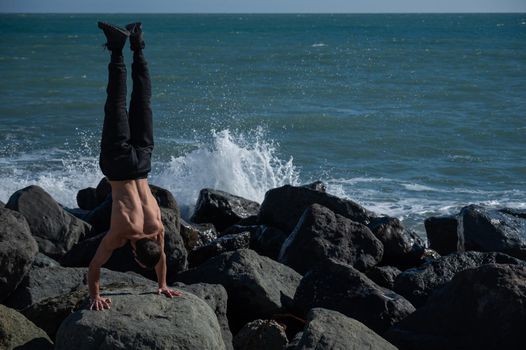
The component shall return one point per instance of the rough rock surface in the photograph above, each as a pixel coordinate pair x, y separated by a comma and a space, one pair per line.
328, 329
42, 260
501, 230
267, 241
283, 206
316, 186
321, 234
402, 248
87, 198
222, 209
261, 335
197, 235
223, 244
418, 283
383, 276
17, 332
257, 286
481, 308
337, 286
141, 320
17, 250
442, 234
54, 229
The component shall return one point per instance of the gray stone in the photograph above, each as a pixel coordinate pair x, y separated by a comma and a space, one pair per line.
340, 287
17, 250
383, 276
197, 235
480, 308
17, 332
261, 335
283, 206
139, 319
257, 286
42, 260
267, 241
322, 234
418, 283
442, 234
223, 244
331, 330
54, 229
316, 186
222, 209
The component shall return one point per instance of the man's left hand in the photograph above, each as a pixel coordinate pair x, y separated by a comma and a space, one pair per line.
170, 293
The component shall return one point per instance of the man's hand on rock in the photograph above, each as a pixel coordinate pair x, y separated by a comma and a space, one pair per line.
99, 304
170, 293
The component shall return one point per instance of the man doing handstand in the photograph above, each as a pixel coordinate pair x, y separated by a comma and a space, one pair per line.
125, 159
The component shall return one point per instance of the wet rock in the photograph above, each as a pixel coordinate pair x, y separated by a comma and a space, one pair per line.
402, 248
87, 198
481, 308
261, 335
267, 241
442, 234
139, 319
316, 186
494, 231
222, 209
418, 283
257, 286
55, 230
197, 235
321, 234
383, 276
17, 332
17, 250
283, 206
223, 244
337, 286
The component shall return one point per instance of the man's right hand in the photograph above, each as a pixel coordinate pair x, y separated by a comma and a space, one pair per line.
99, 304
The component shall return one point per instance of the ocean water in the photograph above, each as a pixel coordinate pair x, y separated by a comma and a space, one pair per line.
409, 115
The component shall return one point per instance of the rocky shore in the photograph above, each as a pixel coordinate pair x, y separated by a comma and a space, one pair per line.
301, 270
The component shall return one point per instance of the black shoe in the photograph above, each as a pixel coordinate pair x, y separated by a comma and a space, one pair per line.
136, 39
115, 36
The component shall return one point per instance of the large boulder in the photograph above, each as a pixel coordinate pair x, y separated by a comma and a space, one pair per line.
267, 241
481, 308
442, 234
140, 319
87, 198
331, 330
337, 286
261, 335
223, 244
222, 209
283, 206
216, 297
383, 276
257, 286
54, 229
418, 283
487, 230
402, 248
42, 260
322, 234
17, 250
17, 332
197, 235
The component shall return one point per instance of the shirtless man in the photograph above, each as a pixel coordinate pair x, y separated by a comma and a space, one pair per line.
125, 159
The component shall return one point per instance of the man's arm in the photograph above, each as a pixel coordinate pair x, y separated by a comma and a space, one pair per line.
160, 270
102, 255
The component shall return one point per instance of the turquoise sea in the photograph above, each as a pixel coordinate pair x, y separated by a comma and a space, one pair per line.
410, 115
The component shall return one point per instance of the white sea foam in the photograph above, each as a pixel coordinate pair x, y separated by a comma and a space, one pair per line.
318, 45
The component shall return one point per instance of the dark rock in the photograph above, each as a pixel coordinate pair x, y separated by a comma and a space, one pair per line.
327, 329
222, 209
321, 234
383, 276
2, 204
197, 235
295, 341
337, 286
418, 283
237, 229
139, 319
17, 332
402, 248
103, 190
78, 213
216, 297
493, 231
291, 323
17, 250
442, 234
316, 186
55, 230
249, 220
223, 244
481, 308
283, 207
267, 241
261, 335
42, 260
165, 198
257, 286
87, 198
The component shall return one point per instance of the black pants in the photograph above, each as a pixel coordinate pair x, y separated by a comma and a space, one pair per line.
127, 138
